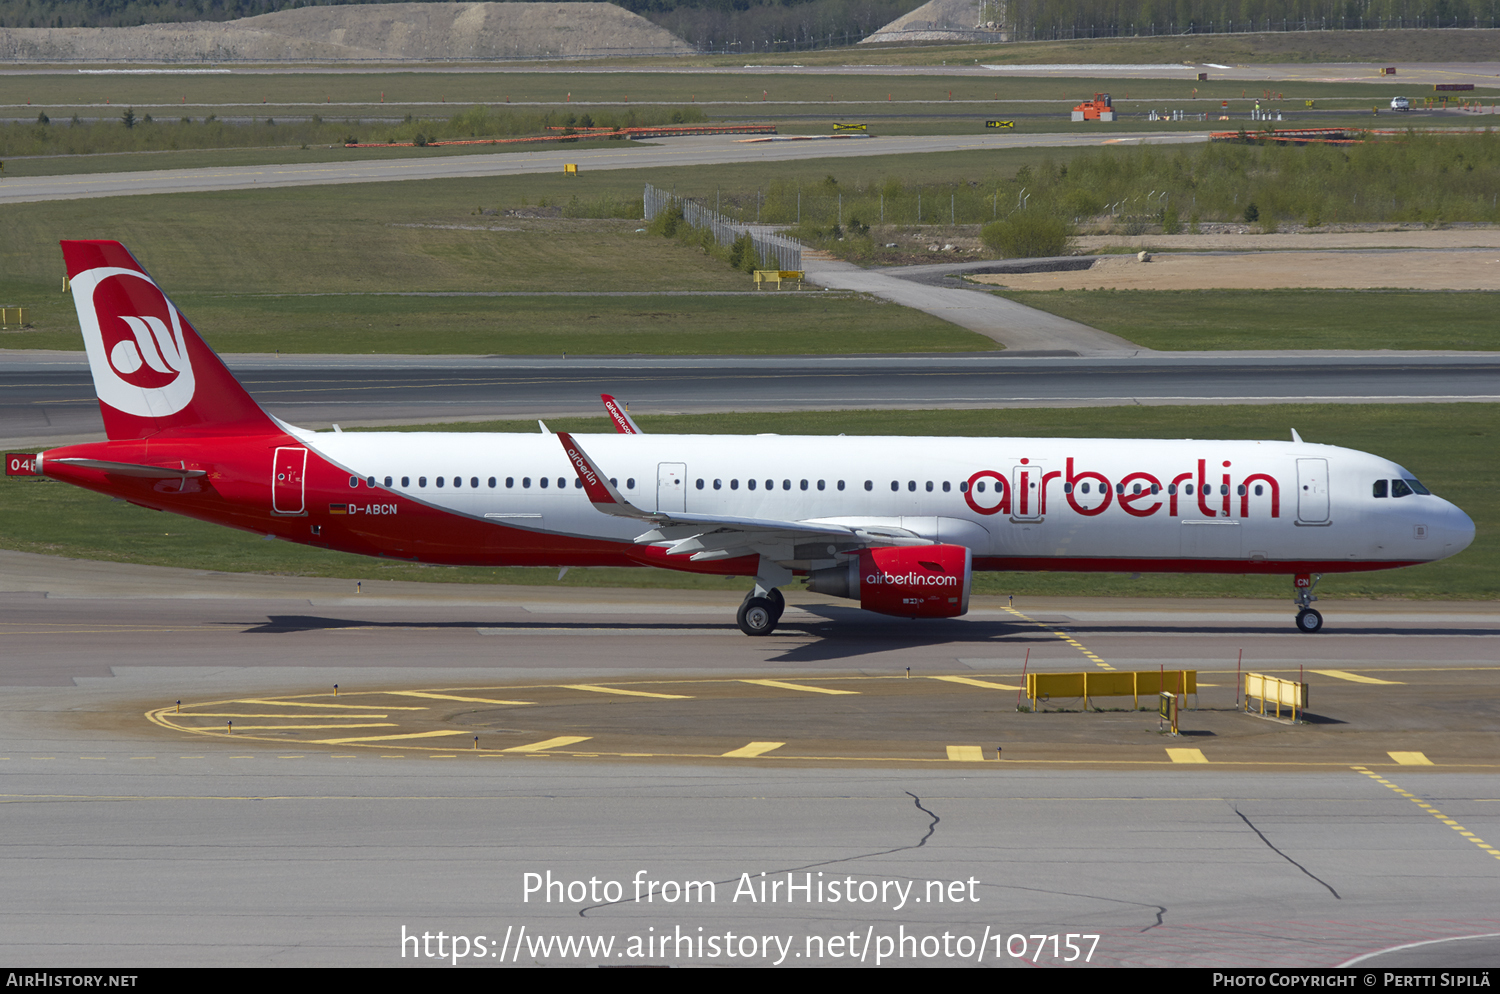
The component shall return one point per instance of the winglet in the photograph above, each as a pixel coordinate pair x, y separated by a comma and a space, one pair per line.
623, 422
1296, 437
601, 493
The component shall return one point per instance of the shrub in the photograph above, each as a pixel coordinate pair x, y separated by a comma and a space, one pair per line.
1028, 234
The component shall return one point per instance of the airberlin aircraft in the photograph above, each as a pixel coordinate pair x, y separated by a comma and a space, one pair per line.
898, 524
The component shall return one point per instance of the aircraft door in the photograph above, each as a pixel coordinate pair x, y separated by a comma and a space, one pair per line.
671, 486
288, 468
1026, 493
1312, 491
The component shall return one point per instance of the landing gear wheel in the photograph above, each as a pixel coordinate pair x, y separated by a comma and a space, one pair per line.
757, 616
778, 603
1309, 621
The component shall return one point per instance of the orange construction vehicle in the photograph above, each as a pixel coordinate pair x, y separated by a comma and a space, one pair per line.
1097, 109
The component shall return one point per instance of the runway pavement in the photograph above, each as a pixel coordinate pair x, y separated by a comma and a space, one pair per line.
660, 153
47, 398
131, 843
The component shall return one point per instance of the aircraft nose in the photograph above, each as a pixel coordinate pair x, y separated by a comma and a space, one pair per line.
1455, 530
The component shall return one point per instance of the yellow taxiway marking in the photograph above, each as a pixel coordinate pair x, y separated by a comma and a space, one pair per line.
311, 704
971, 682
593, 688
554, 743
1483, 846
248, 714
797, 686
1410, 758
1187, 756
1092, 657
451, 697
1356, 678
384, 738
263, 728
752, 750
965, 754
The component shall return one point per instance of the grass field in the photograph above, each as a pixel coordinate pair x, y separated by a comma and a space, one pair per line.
1449, 447
1192, 320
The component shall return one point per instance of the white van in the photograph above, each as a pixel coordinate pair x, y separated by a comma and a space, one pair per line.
1400, 103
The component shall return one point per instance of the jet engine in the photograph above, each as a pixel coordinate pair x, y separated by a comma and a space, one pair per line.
924, 581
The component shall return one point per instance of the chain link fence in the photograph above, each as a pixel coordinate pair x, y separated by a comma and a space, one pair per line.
774, 251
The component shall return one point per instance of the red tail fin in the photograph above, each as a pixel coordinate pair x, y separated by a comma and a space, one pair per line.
151, 370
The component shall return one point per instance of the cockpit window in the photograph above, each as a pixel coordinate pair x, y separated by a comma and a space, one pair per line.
1417, 487
1382, 488
1400, 489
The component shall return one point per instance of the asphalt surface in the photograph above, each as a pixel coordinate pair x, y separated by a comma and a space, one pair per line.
133, 842
693, 151
48, 397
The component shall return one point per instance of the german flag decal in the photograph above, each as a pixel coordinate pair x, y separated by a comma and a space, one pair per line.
338, 508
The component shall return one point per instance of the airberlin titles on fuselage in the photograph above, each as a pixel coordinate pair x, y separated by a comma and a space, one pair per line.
1090, 493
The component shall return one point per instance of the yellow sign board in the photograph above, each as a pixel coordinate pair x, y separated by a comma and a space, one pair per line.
999, 124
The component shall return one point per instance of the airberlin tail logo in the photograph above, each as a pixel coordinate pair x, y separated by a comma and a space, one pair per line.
136, 342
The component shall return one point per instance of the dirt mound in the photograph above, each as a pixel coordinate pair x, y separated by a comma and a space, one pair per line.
390, 32
947, 20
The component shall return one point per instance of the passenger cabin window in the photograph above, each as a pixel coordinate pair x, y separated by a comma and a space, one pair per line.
422, 482
406, 481
440, 481
353, 482
387, 481
492, 483
869, 484
510, 481
750, 484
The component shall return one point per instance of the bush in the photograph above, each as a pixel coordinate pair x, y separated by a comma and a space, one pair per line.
1028, 234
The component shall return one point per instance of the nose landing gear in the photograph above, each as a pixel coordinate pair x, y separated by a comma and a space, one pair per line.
1308, 620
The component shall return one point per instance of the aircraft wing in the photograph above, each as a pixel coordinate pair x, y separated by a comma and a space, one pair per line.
708, 536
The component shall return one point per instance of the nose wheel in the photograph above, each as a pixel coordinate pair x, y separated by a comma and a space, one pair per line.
759, 615
1308, 620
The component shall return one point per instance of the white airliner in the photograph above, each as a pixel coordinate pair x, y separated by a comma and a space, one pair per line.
897, 523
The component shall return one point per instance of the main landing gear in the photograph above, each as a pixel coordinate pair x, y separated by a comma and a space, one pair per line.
1308, 620
759, 613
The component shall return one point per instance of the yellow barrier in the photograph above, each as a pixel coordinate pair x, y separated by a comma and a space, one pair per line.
1116, 684
776, 276
1277, 691
12, 315
570, 169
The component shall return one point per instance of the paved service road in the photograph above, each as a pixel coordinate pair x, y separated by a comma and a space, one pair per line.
130, 843
698, 151
51, 396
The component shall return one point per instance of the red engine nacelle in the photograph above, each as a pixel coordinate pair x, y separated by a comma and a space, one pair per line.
925, 581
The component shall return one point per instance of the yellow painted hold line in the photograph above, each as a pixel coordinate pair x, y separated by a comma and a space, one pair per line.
560, 740
626, 693
966, 754
752, 750
240, 714
971, 682
797, 686
384, 738
1410, 758
1357, 678
1187, 756
451, 697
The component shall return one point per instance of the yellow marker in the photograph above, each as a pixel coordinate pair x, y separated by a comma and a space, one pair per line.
971, 682
451, 697
966, 754
1410, 758
383, 738
1357, 678
627, 693
554, 743
752, 750
795, 686
1187, 756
